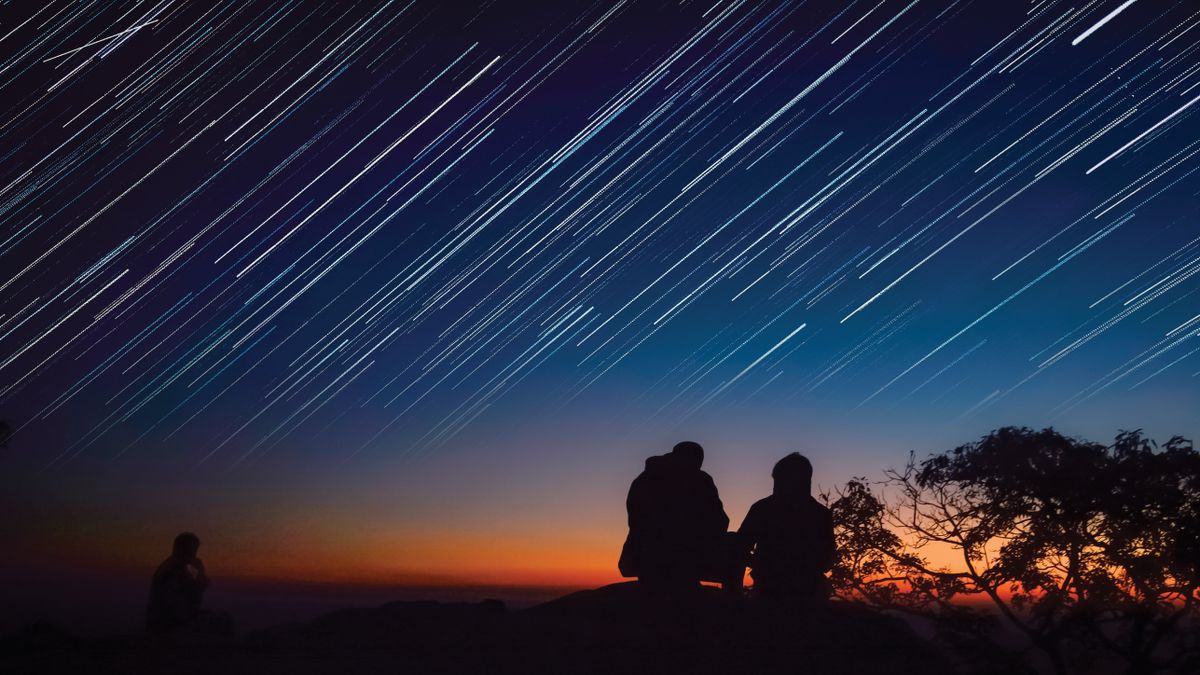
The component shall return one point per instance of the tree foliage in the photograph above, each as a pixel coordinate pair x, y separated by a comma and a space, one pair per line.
1087, 552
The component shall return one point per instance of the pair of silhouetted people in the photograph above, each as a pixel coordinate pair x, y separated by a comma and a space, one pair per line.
177, 595
677, 530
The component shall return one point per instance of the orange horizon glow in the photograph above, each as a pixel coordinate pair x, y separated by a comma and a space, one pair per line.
455, 521
360, 558
462, 561
441, 561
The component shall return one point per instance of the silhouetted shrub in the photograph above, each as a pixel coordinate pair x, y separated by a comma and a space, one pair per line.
1031, 543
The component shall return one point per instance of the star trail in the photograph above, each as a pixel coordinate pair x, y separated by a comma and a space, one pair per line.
229, 229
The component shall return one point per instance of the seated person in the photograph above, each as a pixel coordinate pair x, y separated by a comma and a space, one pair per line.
790, 535
677, 524
177, 592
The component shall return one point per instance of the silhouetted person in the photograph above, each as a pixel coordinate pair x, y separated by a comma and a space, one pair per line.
791, 537
677, 524
177, 593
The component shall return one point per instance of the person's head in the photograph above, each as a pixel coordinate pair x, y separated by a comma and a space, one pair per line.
689, 454
793, 475
187, 545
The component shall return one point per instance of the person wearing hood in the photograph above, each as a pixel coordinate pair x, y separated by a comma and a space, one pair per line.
790, 536
677, 524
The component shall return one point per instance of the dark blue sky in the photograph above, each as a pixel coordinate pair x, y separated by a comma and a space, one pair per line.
252, 239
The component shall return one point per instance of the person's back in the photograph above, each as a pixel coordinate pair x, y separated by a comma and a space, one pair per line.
675, 519
791, 535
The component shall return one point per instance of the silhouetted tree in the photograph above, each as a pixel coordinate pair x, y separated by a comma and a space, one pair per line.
1088, 551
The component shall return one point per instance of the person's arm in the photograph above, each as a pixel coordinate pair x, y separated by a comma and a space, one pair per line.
717, 516
747, 534
635, 507
177, 595
631, 561
200, 582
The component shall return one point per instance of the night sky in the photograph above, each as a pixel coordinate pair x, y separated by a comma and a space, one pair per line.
409, 290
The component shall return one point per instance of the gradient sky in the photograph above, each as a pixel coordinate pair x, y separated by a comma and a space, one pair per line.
407, 291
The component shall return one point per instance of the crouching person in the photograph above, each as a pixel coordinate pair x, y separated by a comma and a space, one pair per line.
175, 610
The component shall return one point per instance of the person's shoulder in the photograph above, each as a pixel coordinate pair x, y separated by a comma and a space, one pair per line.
656, 463
654, 467
167, 567
763, 504
816, 505
703, 479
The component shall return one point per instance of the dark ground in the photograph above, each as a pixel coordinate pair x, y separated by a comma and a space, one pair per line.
614, 629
